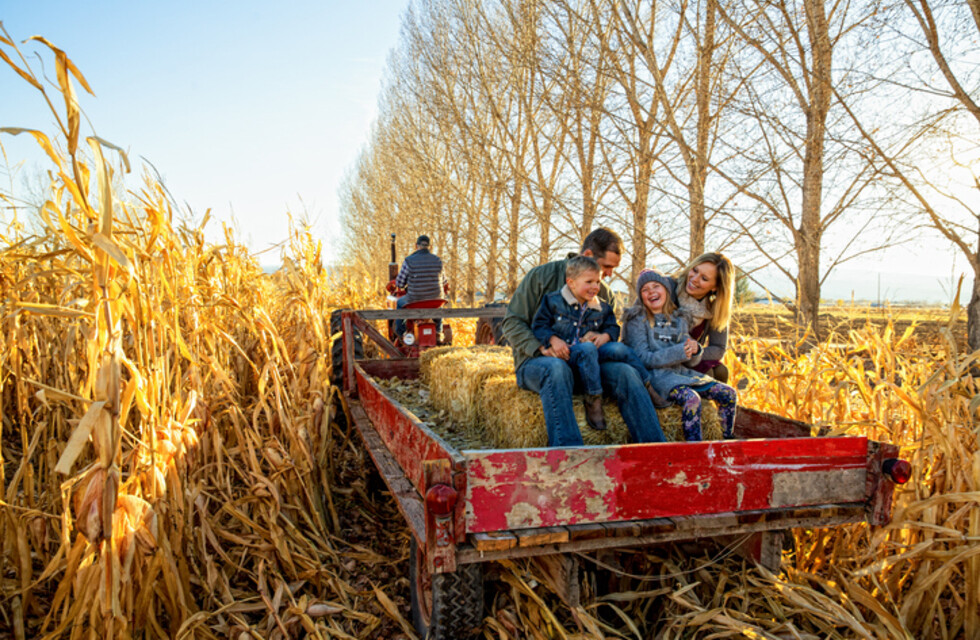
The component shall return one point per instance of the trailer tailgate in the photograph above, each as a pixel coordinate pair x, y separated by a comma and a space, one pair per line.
532, 488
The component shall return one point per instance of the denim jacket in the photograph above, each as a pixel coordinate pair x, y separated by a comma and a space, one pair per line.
560, 314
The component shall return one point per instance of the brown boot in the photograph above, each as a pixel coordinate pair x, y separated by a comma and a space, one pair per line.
658, 401
593, 412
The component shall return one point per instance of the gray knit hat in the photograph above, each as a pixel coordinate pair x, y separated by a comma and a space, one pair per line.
652, 275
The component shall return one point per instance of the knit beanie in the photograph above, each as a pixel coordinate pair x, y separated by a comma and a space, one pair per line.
652, 275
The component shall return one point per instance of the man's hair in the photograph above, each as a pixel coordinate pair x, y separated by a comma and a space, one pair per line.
602, 240
580, 264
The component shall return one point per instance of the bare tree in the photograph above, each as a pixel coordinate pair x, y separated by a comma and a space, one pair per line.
930, 147
796, 144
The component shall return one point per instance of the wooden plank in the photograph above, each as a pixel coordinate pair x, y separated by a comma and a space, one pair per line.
778, 519
585, 531
375, 335
529, 488
350, 384
494, 541
750, 423
408, 500
561, 573
440, 539
747, 517
442, 312
544, 535
621, 529
410, 442
402, 368
655, 526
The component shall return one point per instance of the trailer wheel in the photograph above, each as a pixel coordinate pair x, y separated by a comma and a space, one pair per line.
445, 605
490, 330
337, 348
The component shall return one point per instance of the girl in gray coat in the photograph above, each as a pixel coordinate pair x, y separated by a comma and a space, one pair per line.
658, 332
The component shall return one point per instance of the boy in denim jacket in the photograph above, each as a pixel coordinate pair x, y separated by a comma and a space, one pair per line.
582, 330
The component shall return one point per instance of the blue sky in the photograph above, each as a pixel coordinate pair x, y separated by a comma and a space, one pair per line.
251, 108
254, 110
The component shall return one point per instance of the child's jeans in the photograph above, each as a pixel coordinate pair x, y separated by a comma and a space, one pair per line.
585, 357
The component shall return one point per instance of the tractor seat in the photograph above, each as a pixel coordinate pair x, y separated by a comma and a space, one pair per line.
426, 304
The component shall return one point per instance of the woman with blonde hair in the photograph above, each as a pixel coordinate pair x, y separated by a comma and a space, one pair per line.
705, 288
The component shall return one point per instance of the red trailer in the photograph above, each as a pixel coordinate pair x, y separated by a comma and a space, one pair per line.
465, 508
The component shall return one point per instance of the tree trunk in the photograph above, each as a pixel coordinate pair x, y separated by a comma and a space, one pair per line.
493, 242
545, 236
513, 240
810, 233
640, 206
699, 170
973, 313
973, 309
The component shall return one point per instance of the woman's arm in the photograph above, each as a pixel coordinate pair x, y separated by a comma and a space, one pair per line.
716, 346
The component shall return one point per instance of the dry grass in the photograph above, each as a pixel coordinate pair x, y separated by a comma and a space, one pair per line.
169, 466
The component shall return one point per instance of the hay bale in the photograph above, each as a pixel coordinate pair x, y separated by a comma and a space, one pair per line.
477, 387
456, 378
427, 357
514, 419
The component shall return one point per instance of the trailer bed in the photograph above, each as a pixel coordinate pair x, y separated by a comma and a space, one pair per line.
525, 502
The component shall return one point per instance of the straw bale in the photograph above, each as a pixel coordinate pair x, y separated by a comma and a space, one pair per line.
427, 357
457, 376
514, 419
477, 387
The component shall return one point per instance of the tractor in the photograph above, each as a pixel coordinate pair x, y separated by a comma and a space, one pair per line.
420, 331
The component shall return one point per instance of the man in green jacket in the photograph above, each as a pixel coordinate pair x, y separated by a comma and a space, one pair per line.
539, 370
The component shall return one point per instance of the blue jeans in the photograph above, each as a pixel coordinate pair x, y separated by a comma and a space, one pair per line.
584, 360
619, 352
400, 322
552, 379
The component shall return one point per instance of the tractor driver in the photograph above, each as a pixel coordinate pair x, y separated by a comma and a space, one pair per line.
421, 278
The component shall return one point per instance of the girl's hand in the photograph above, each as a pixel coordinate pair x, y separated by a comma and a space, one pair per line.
691, 347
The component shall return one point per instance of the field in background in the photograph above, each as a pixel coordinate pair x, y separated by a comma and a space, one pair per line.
776, 322
240, 504
173, 463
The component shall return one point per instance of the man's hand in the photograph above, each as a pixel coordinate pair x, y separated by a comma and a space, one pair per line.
558, 348
691, 347
598, 339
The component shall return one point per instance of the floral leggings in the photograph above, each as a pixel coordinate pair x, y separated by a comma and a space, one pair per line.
690, 402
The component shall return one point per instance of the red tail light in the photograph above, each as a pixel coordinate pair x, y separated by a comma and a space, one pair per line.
440, 499
898, 470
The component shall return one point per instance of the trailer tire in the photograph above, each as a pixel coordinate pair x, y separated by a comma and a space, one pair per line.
490, 330
445, 605
337, 348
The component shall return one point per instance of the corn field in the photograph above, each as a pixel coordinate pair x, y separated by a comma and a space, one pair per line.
173, 463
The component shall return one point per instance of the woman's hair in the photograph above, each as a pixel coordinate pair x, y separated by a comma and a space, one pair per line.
720, 302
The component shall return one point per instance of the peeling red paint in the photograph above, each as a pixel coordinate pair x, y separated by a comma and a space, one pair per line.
551, 487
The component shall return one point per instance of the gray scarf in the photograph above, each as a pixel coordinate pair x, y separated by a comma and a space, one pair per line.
696, 310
